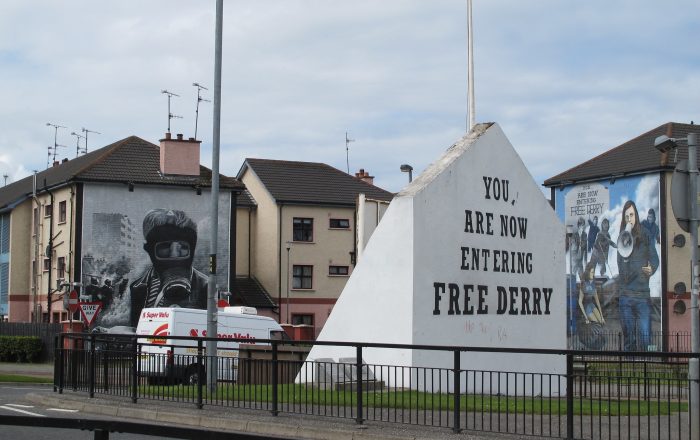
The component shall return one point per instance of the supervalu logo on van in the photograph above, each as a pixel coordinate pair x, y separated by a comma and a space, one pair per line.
160, 331
195, 334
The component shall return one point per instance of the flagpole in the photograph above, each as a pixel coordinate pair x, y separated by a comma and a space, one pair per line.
470, 67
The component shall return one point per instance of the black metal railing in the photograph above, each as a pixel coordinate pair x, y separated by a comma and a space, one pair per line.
579, 394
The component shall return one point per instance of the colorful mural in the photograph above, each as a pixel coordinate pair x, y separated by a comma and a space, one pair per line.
613, 260
150, 252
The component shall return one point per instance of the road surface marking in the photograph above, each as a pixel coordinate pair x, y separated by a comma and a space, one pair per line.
16, 405
62, 410
21, 411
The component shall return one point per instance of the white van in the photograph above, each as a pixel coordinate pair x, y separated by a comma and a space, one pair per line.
175, 360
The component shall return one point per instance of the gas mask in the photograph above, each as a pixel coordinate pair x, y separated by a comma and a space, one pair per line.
172, 259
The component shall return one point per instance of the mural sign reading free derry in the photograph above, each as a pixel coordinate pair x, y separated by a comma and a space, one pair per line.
468, 254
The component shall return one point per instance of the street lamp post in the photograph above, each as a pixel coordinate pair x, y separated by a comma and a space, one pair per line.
665, 144
289, 247
405, 168
571, 283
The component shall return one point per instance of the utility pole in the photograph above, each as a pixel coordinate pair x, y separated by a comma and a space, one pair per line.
216, 140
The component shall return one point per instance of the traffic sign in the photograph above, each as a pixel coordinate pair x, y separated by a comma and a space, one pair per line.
73, 301
89, 310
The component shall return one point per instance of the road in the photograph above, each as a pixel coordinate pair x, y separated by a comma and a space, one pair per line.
14, 403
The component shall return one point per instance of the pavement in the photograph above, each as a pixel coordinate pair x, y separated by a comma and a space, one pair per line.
284, 425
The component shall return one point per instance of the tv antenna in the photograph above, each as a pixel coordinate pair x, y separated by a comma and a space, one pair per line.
77, 143
199, 99
55, 141
86, 131
5, 176
52, 150
347, 150
170, 115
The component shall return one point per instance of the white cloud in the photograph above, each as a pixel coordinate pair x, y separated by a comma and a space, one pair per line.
566, 81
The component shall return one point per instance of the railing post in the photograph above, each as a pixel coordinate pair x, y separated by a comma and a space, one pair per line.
135, 371
105, 367
457, 393
61, 361
200, 373
55, 363
358, 366
58, 365
91, 367
275, 390
569, 396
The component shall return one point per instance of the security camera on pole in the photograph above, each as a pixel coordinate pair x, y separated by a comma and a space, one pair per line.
684, 201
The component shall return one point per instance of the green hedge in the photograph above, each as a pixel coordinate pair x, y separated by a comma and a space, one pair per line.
19, 348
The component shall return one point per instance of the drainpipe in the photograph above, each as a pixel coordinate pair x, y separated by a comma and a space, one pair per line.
49, 249
279, 266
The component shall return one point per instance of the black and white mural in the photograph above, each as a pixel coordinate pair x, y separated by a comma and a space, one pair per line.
149, 248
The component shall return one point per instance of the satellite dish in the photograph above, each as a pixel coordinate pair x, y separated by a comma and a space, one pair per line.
679, 288
679, 240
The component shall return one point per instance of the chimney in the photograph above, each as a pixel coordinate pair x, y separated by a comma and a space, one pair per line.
179, 156
55, 163
364, 176
65, 159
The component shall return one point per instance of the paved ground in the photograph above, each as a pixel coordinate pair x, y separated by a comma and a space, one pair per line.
289, 426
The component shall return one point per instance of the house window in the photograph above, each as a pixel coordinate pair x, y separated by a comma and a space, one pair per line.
337, 270
303, 229
62, 212
48, 210
61, 267
303, 277
302, 319
47, 264
339, 223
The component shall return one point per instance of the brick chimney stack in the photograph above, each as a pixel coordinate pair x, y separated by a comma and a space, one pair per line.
179, 156
364, 176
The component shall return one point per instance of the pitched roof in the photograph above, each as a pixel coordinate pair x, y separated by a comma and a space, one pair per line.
248, 291
311, 183
128, 160
635, 156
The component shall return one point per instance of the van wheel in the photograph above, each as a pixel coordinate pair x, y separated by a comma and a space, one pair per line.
192, 375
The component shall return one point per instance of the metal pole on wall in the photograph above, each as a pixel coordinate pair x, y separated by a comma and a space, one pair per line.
694, 364
211, 288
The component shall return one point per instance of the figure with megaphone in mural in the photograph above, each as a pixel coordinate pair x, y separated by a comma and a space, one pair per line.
637, 261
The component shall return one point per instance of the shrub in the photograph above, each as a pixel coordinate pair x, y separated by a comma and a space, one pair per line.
19, 348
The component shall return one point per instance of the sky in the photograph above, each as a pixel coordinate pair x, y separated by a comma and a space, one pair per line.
566, 80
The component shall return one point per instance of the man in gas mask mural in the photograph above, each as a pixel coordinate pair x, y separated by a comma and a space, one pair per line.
170, 281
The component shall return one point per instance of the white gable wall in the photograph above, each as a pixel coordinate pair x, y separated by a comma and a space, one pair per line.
419, 249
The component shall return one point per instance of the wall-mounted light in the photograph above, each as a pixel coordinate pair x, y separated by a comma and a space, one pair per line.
679, 240
679, 288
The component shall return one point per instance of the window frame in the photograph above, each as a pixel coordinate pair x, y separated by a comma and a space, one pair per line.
306, 226
302, 277
296, 316
62, 211
48, 210
338, 220
46, 265
61, 267
338, 274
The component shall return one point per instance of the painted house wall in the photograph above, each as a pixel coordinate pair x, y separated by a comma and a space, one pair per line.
20, 289
265, 233
243, 241
677, 270
605, 199
113, 247
330, 247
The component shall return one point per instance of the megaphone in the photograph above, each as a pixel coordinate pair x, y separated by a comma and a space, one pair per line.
625, 242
